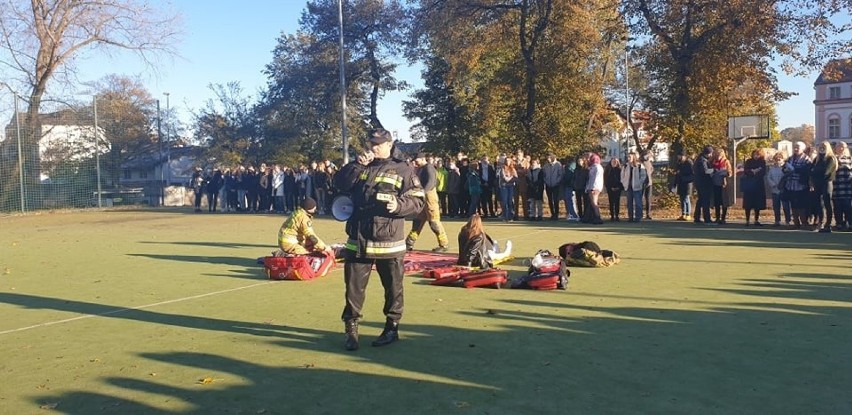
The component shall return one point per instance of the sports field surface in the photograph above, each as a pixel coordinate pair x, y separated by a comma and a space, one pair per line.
167, 312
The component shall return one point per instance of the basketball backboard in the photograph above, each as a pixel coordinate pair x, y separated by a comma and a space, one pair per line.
748, 126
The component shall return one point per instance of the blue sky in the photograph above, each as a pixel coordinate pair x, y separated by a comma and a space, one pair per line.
228, 41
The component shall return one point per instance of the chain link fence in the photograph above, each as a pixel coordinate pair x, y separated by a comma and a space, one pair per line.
77, 155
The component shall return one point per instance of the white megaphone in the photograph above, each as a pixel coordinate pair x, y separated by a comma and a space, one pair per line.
342, 208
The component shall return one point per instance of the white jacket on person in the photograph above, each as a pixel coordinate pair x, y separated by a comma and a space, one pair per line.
639, 176
773, 178
596, 178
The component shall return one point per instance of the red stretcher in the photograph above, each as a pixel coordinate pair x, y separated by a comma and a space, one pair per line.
494, 278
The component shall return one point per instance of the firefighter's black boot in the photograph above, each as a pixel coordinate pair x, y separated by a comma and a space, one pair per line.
389, 335
351, 335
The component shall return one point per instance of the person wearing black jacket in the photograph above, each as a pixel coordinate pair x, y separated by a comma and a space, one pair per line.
581, 177
384, 191
614, 187
453, 188
291, 190
252, 182
535, 191
321, 185
213, 187
230, 191
477, 248
703, 175
684, 177
464, 192
488, 178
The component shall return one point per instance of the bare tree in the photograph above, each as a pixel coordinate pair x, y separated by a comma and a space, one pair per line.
38, 38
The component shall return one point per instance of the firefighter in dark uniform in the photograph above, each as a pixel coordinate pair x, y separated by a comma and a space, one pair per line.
384, 190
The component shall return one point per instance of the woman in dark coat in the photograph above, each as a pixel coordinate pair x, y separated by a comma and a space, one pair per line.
754, 187
476, 248
581, 177
614, 187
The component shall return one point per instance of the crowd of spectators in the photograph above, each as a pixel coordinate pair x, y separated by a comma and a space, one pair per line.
265, 189
807, 189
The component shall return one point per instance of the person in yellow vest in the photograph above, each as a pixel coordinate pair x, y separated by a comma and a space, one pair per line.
296, 235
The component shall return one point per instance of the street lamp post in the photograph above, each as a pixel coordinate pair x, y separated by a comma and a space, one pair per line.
627, 97
342, 86
160, 152
20, 154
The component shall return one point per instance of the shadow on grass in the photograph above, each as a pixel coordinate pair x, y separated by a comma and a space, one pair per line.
202, 323
247, 267
782, 348
701, 235
228, 245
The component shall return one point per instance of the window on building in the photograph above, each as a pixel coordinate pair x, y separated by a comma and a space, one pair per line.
143, 174
834, 92
127, 175
833, 128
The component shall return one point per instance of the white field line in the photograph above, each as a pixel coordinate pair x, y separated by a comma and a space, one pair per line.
122, 310
142, 307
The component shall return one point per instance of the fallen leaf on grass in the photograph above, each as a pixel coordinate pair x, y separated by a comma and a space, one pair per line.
461, 404
96, 360
49, 405
207, 381
7, 271
308, 365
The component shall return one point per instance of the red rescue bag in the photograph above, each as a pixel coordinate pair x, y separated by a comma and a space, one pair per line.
298, 267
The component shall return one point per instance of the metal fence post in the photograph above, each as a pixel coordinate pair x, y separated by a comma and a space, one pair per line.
97, 149
20, 154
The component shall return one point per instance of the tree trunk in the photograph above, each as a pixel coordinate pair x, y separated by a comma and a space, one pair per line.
376, 78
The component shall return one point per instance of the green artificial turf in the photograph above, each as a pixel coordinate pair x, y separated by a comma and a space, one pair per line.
148, 311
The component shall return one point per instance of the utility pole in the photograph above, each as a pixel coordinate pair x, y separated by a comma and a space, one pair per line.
160, 142
168, 141
342, 86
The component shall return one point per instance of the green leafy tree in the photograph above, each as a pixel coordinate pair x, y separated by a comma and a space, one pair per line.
531, 72
226, 127
711, 59
444, 124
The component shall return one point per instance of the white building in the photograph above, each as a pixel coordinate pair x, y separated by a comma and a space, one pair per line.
617, 142
65, 137
833, 102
